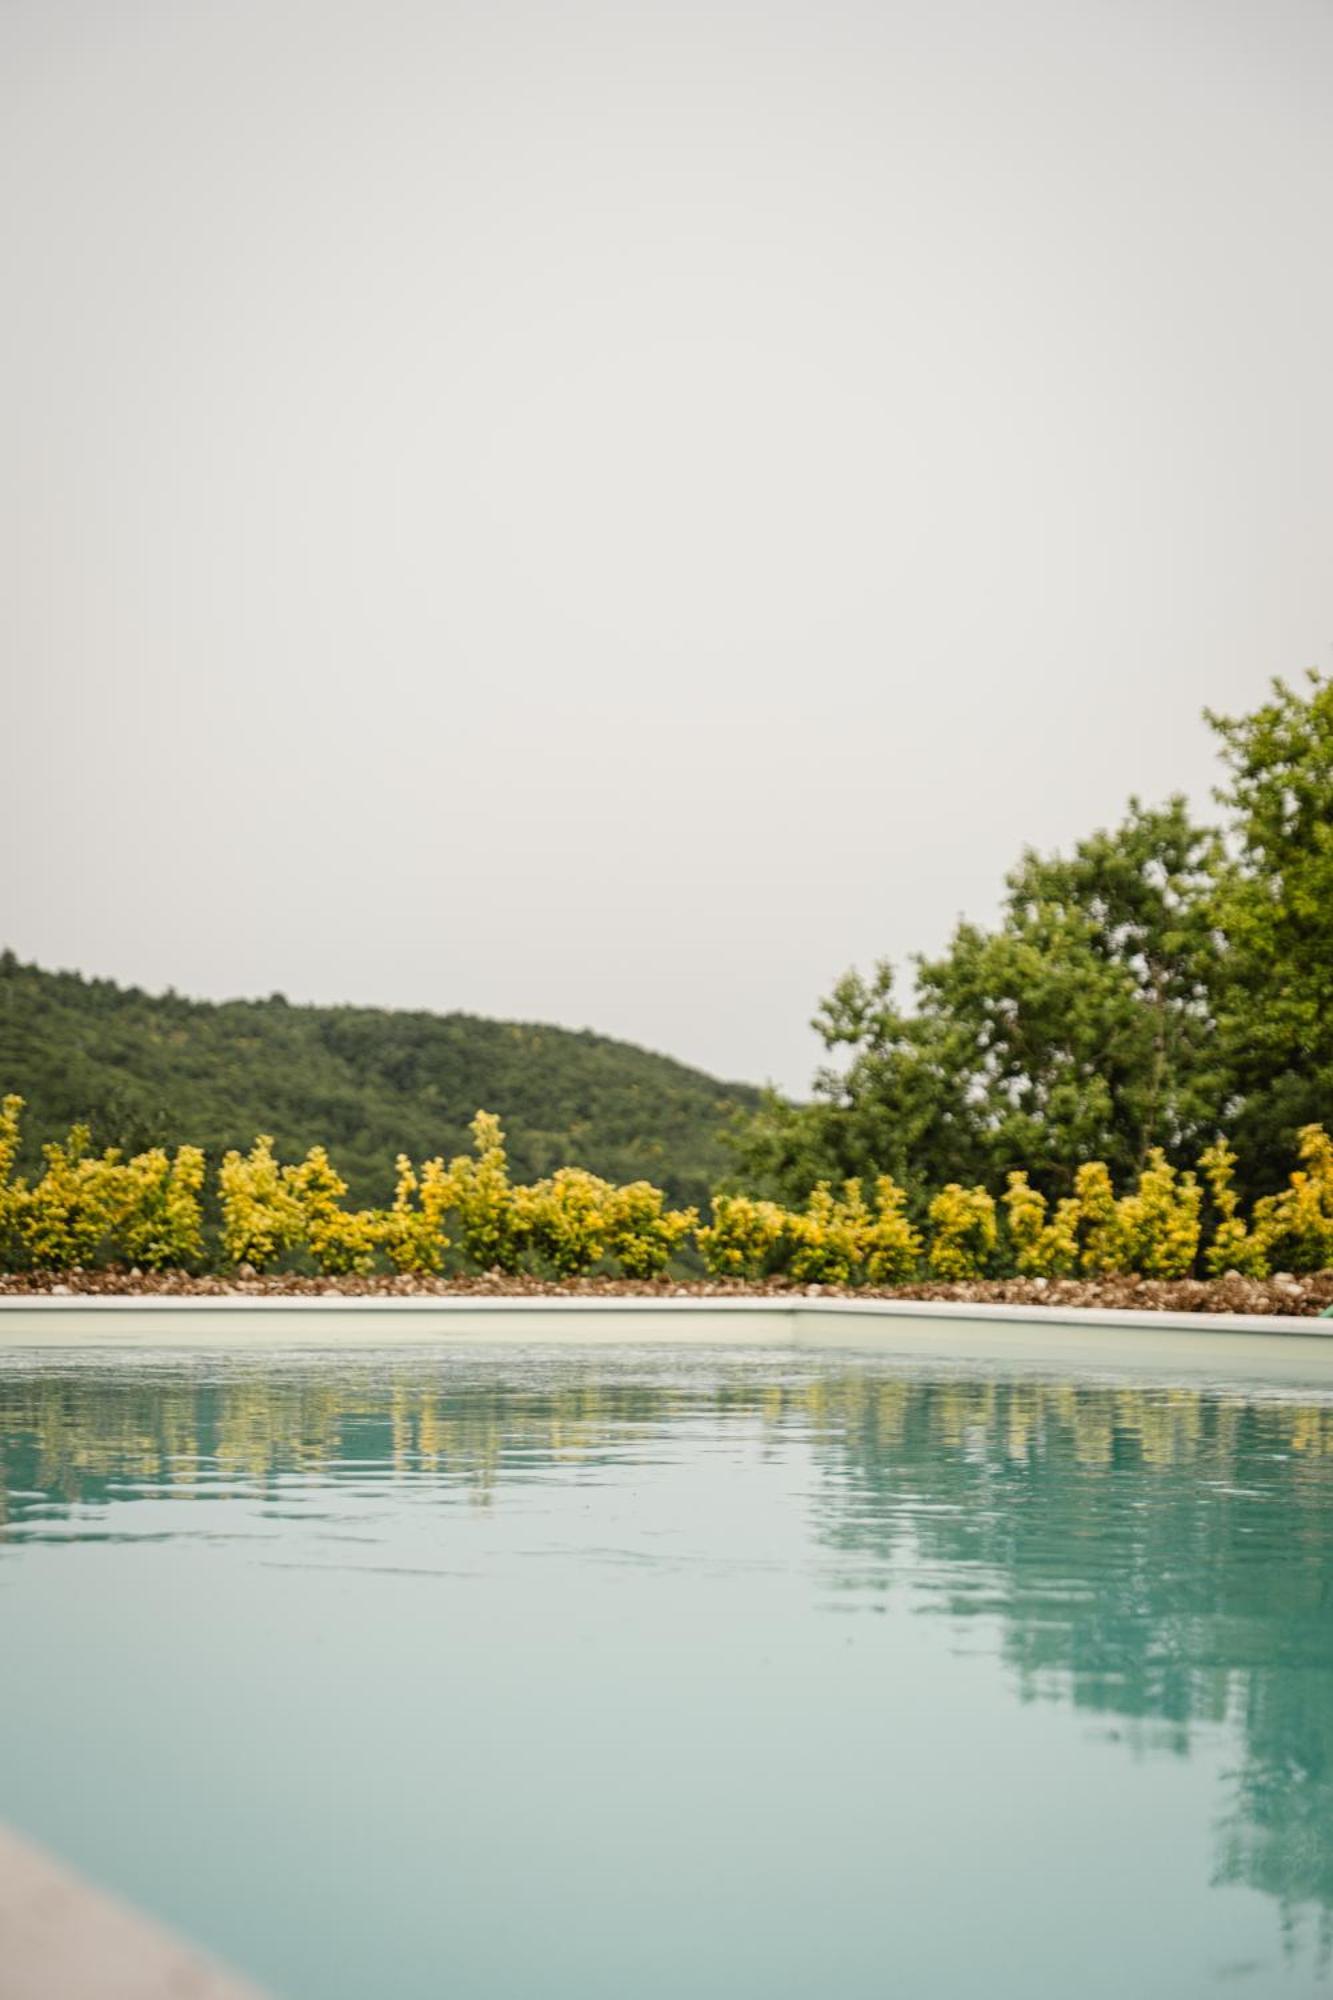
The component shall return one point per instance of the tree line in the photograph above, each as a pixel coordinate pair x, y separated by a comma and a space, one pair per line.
142, 1070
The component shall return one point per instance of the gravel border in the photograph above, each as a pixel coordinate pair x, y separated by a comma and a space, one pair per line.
1283, 1295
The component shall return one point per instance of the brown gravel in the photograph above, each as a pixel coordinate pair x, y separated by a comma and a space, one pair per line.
1293, 1297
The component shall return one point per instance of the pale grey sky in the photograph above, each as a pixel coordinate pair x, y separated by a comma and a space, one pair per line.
610, 513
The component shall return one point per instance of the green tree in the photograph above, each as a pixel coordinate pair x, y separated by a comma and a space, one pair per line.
1274, 908
1079, 1028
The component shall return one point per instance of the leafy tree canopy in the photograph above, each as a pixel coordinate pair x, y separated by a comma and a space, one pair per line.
1274, 907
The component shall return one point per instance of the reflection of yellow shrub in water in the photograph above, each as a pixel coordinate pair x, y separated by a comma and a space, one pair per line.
86, 1428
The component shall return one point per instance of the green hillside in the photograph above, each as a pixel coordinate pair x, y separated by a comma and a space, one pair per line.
145, 1069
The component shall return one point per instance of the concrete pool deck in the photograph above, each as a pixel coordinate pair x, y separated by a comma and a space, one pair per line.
62, 1939
1265, 1348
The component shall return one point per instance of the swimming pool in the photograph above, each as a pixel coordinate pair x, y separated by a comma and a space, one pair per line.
500, 1671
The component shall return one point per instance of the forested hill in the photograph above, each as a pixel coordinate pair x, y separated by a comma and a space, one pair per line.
145, 1069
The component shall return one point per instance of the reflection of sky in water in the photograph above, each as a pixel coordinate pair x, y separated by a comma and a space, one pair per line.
635, 1673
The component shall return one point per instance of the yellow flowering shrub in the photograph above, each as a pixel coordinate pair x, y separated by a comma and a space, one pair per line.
745, 1239
1103, 1246
1295, 1228
890, 1246
1041, 1248
343, 1242
11, 1132
565, 1220
69, 1215
1235, 1246
162, 1226
145, 1210
489, 1225
261, 1214
414, 1237
837, 1239
1153, 1230
148, 1211
963, 1232
1160, 1221
828, 1239
642, 1234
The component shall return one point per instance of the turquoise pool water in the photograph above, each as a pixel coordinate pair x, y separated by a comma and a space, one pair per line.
622, 1673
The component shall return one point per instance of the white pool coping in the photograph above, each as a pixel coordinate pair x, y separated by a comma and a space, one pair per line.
1263, 1347
63, 1939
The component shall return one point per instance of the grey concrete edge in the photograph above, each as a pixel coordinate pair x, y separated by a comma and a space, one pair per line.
63, 1939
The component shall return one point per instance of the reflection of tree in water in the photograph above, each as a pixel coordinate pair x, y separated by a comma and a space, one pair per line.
1278, 1834
1161, 1556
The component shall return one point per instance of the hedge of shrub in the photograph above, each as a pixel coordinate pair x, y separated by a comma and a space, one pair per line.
91, 1208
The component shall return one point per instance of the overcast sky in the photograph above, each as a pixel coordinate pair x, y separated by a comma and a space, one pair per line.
610, 513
